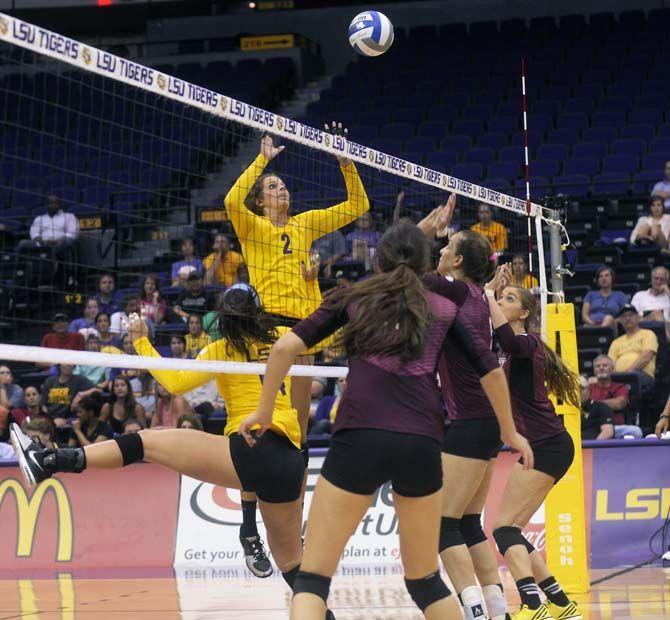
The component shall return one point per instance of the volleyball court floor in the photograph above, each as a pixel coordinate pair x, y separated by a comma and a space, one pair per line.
233, 594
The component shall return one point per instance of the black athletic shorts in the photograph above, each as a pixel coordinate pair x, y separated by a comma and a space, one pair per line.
554, 456
273, 468
473, 439
362, 460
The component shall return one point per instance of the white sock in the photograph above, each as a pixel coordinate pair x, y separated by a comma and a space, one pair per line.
495, 602
474, 607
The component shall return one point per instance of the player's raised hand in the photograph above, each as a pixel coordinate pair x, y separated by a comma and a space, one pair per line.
337, 129
268, 149
445, 214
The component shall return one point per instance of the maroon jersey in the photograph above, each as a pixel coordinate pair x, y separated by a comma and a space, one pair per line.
461, 389
534, 413
385, 393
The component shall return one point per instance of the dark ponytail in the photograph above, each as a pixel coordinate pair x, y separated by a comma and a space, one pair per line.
479, 260
391, 311
561, 381
251, 201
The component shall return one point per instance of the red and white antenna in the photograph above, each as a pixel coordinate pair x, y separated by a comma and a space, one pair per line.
524, 108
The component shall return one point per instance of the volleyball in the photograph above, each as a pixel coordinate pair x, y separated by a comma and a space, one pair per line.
371, 33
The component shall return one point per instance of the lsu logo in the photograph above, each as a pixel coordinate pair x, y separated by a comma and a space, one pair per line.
4, 26
326, 139
86, 55
28, 510
371, 156
640, 504
280, 123
223, 104
409, 168
162, 82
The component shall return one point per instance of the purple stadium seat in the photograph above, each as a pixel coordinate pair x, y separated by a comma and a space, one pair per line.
572, 24
388, 145
543, 106
651, 101
579, 105
493, 140
395, 89
663, 131
26, 199
572, 184
363, 134
422, 145
615, 103
660, 145
610, 183
373, 117
581, 165
479, 156
629, 147
433, 129
563, 136
504, 124
558, 152
655, 161
511, 154
591, 90
637, 132
594, 150
514, 109
540, 124
458, 143
470, 127
478, 111
468, 172
442, 160
622, 164
644, 181
444, 112
600, 134
609, 118
544, 167
407, 115
649, 116
504, 170
577, 121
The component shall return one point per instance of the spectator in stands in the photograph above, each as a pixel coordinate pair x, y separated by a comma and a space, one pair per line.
362, 242
41, 429
223, 265
190, 420
210, 322
152, 304
141, 381
122, 406
611, 397
11, 396
319, 387
663, 424
178, 346
183, 274
56, 229
58, 393
32, 408
654, 303
131, 305
107, 298
132, 425
189, 261
653, 228
60, 338
520, 275
635, 351
494, 231
327, 410
662, 188
330, 248
194, 300
597, 418
602, 306
87, 427
107, 339
91, 310
196, 339
168, 409
97, 375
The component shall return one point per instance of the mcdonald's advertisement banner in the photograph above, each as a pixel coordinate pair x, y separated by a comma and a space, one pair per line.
147, 519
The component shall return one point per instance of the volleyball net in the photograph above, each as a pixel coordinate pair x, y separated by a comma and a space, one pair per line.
144, 159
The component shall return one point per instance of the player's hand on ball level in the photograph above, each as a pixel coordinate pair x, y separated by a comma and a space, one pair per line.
337, 129
268, 149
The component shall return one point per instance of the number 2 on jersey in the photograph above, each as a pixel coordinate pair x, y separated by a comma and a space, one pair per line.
287, 244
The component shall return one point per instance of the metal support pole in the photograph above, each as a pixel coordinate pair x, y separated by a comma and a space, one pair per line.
557, 271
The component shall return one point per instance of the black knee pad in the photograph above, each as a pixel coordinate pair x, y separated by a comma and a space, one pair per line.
450, 533
132, 448
471, 529
290, 576
313, 584
529, 545
428, 590
508, 536
304, 451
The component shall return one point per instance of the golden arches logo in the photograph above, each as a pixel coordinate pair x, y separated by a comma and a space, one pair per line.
28, 512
